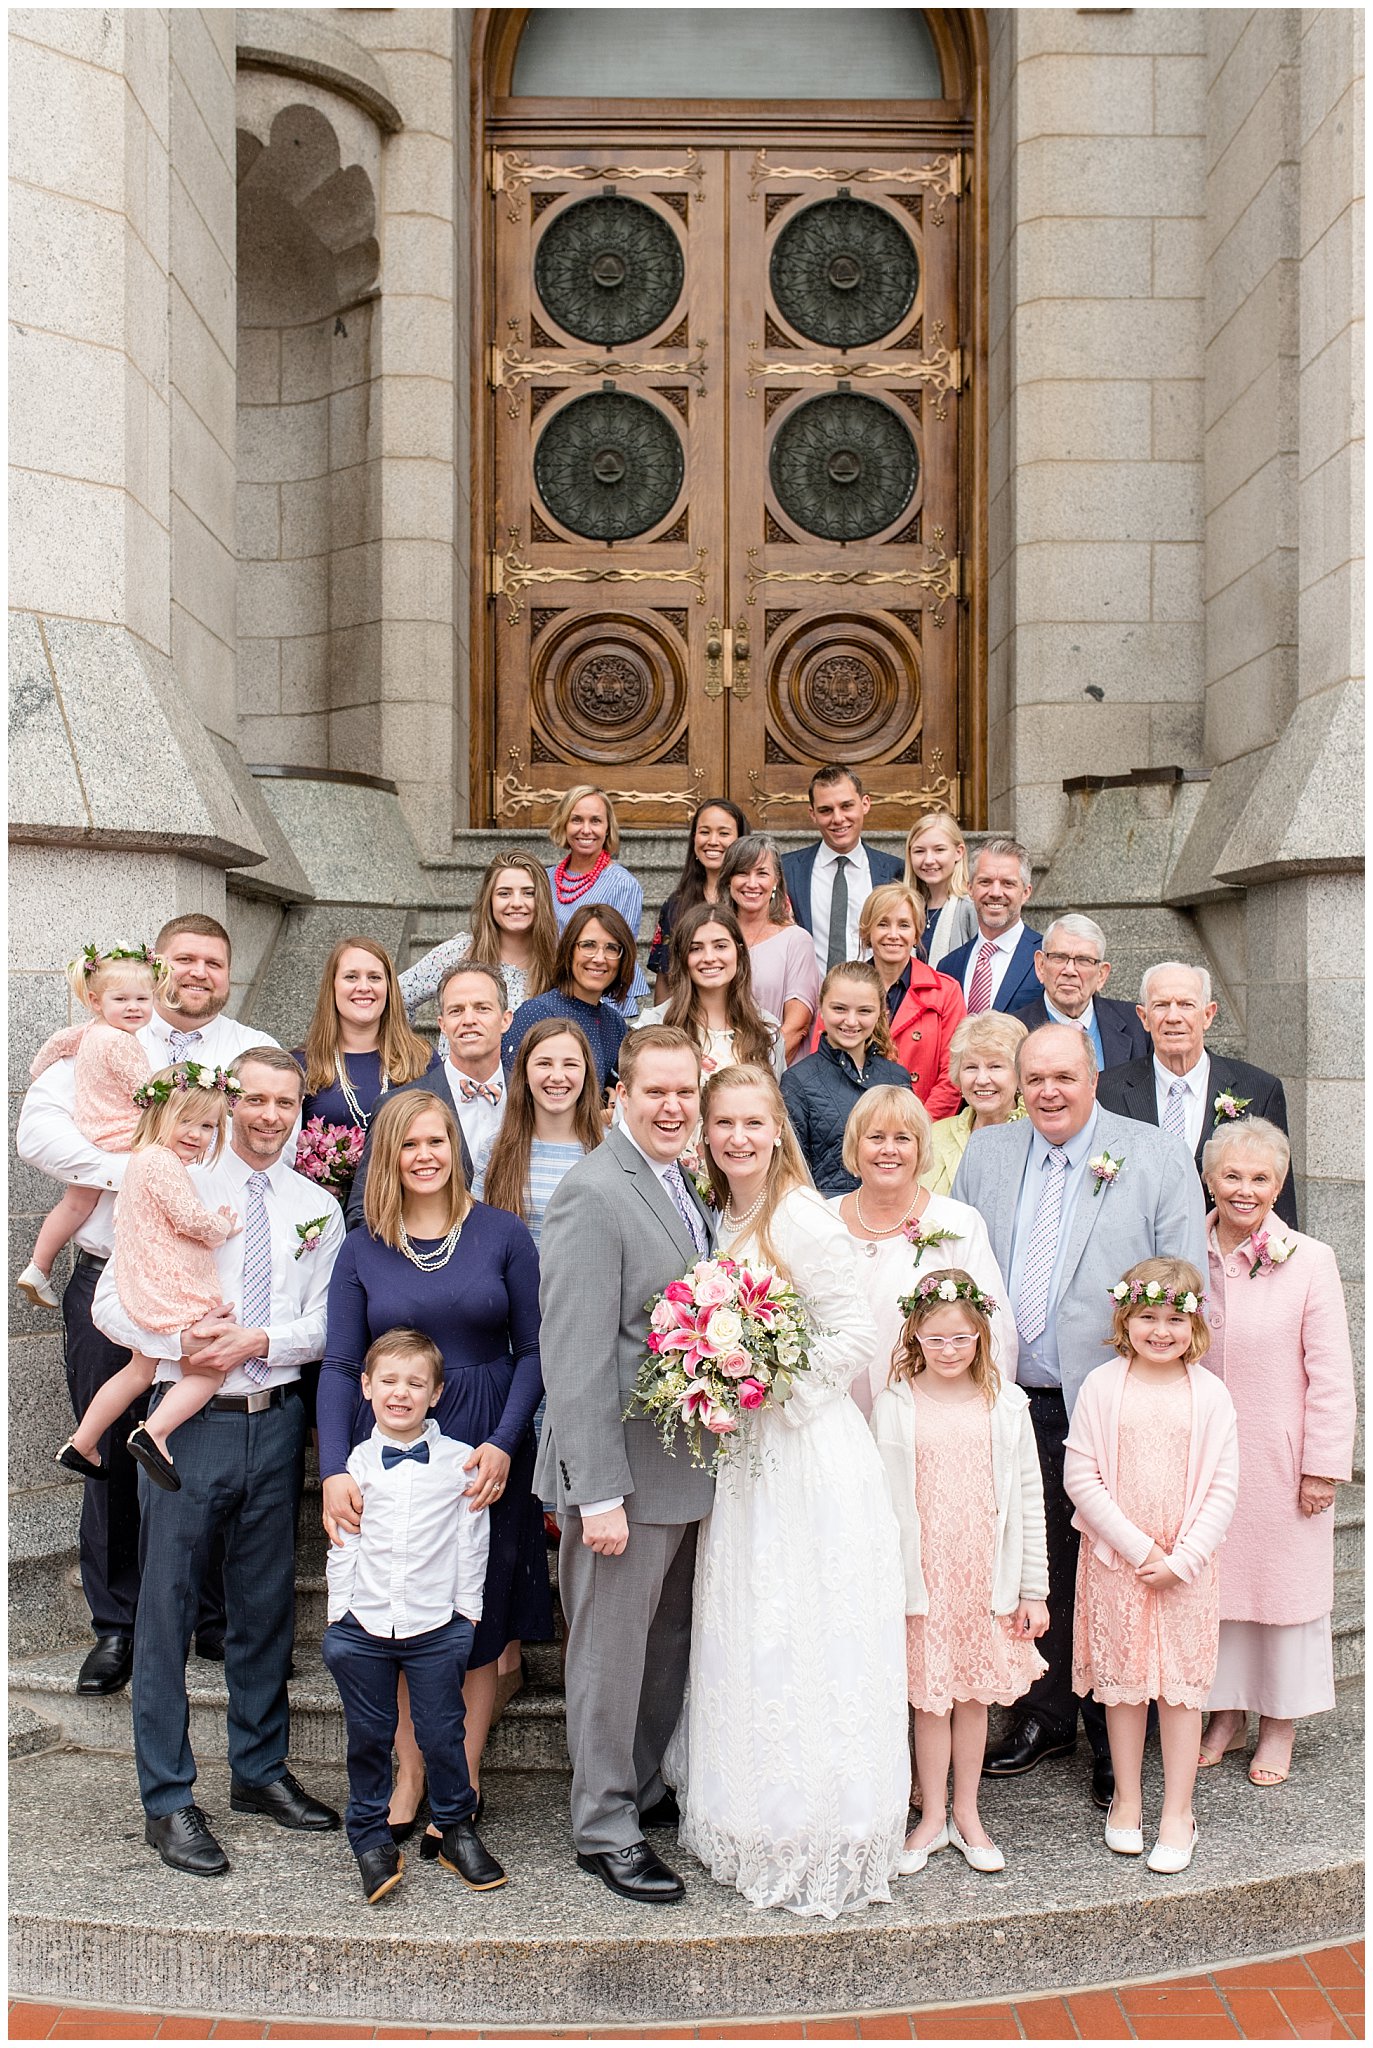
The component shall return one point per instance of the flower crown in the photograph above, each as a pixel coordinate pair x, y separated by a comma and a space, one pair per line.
944, 1287
181, 1079
1153, 1294
92, 957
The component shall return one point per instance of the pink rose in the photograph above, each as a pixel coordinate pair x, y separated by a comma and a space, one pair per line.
720, 1422
713, 1287
734, 1364
677, 1290
662, 1318
752, 1393
653, 1341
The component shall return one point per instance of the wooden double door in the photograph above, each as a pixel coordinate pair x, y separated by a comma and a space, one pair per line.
726, 383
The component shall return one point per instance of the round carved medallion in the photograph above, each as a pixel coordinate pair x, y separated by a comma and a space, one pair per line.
844, 272
609, 270
609, 465
842, 689
610, 689
844, 466
845, 685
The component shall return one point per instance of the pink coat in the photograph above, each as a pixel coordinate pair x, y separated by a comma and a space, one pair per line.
1280, 1342
110, 1064
1089, 1472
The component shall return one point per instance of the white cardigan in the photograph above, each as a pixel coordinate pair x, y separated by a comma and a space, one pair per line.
1021, 1567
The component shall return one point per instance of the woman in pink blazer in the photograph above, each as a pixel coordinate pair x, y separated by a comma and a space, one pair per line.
1280, 1341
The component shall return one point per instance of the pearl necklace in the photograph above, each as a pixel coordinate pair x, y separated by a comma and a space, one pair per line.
430, 1262
739, 1223
360, 1116
891, 1231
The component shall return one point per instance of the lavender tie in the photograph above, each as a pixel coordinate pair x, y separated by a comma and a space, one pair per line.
681, 1201
178, 1041
256, 1309
1175, 1111
1032, 1300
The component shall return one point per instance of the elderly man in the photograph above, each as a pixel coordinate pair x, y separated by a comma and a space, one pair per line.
1072, 1196
1184, 1088
995, 970
1073, 970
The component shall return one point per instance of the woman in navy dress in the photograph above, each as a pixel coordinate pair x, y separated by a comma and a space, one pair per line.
593, 971
430, 1258
359, 1043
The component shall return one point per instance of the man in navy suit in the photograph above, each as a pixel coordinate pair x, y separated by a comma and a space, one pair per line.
996, 969
1183, 1088
829, 883
1073, 970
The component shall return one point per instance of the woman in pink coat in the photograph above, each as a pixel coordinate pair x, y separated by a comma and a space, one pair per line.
1280, 1342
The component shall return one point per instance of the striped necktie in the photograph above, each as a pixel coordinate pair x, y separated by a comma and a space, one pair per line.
980, 992
256, 1309
681, 1201
1175, 1111
1032, 1299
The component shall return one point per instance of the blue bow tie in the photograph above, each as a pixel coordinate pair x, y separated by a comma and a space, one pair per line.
394, 1454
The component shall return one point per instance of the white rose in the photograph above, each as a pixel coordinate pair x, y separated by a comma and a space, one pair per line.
948, 1290
725, 1329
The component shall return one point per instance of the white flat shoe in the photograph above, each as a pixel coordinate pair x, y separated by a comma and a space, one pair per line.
35, 1286
1168, 1862
913, 1860
1124, 1841
977, 1858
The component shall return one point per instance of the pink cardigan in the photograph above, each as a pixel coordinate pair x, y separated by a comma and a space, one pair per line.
110, 1064
1089, 1471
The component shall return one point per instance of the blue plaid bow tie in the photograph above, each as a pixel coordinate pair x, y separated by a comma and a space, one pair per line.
394, 1454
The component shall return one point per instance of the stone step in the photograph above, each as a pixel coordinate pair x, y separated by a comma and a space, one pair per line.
287, 1935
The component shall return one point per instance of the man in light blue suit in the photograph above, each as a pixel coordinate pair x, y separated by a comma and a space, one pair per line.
996, 969
1072, 1197
829, 883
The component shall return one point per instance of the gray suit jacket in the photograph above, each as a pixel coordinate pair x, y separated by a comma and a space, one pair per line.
1152, 1209
611, 1240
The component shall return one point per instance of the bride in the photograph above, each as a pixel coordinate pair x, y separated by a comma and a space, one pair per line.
796, 1761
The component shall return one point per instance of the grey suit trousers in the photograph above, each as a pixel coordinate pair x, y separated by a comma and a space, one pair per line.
628, 1647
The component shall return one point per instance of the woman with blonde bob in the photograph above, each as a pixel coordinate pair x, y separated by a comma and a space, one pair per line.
982, 1057
431, 1259
585, 826
902, 1231
359, 1044
937, 862
798, 1592
924, 1009
512, 927
1280, 1342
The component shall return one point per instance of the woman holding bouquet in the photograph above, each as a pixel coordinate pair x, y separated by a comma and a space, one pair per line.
796, 1767
357, 1047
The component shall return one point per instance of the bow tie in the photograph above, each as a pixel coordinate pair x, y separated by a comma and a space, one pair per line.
480, 1091
396, 1454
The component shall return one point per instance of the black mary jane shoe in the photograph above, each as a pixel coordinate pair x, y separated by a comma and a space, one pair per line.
286, 1802
155, 1463
401, 1830
72, 1460
381, 1870
635, 1873
462, 1850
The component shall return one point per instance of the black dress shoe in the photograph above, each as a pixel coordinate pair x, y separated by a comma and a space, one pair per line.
184, 1842
209, 1644
155, 1463
463, 1850
1026, 1745
664, 1812
108, 1666
285, 1802
635, 1873
1103, 1781
381, 1870
72, 1461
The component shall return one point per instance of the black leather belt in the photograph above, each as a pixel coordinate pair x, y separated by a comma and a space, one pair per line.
91, 1259
251, 1404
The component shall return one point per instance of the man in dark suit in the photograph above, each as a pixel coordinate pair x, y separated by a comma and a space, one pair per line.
829, 883
1073, 970
996, 969
1183, 1088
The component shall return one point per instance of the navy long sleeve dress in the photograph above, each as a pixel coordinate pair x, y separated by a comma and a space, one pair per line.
482, 1310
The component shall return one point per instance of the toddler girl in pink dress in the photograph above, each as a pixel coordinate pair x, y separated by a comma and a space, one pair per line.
1152, 1466
960, 1455
165, 1273
118, 989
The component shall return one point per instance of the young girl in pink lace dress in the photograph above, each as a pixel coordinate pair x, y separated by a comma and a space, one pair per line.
118, 989
1151, 1466
960, 1455
164, 1240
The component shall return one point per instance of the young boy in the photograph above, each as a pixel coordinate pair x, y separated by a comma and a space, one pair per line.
405, 1595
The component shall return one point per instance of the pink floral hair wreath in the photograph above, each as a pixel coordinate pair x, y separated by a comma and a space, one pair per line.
181, 1078
947, 1289
1153, 1294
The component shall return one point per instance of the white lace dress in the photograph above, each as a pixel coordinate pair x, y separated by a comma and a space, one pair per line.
791, 1759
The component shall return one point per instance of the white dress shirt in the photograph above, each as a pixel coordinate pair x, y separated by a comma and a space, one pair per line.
859, 877
420, 1555
1005, 943
47, 1136
480, 1119
300, 1285
1197, 1083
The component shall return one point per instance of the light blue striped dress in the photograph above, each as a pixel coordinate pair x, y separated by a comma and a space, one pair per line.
617, 887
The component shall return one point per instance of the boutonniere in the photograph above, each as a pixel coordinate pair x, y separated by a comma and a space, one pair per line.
1227, 1107
922, 1241
1269, 1251
310, 1234
1104, 1169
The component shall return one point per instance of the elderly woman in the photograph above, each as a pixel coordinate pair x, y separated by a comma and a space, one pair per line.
982, 1056
902, 1230
1280, 1341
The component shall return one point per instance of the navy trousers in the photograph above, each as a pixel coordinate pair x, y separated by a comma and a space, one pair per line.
238, 1479
365, 1669
1051, 1697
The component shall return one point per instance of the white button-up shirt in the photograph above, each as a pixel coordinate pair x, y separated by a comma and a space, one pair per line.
480, 1119
300, 1285
1005, 943
859, 878
420, 1556
47, 1136
1197, 1083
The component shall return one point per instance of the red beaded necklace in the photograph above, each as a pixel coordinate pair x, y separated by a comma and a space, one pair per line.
572, 889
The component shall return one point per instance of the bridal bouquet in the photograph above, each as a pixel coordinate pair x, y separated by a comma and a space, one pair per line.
723, 1342
328, 1154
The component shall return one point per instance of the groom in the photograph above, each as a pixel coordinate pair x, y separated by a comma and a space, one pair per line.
624, 1222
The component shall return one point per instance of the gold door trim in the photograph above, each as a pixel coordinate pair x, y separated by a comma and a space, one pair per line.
941, 794
508, 369
942, 578
942, 176
514, 795
942, 371
512, 172
511, 577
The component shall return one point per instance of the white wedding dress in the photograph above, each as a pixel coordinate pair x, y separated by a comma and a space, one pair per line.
790, 1760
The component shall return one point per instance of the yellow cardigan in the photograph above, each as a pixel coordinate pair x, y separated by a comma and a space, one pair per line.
950, 1136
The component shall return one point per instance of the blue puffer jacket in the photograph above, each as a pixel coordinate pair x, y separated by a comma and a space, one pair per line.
820, 1092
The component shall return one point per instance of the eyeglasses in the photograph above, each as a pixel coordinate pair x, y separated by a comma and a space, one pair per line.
946, 1343
589, 949
1082, 960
